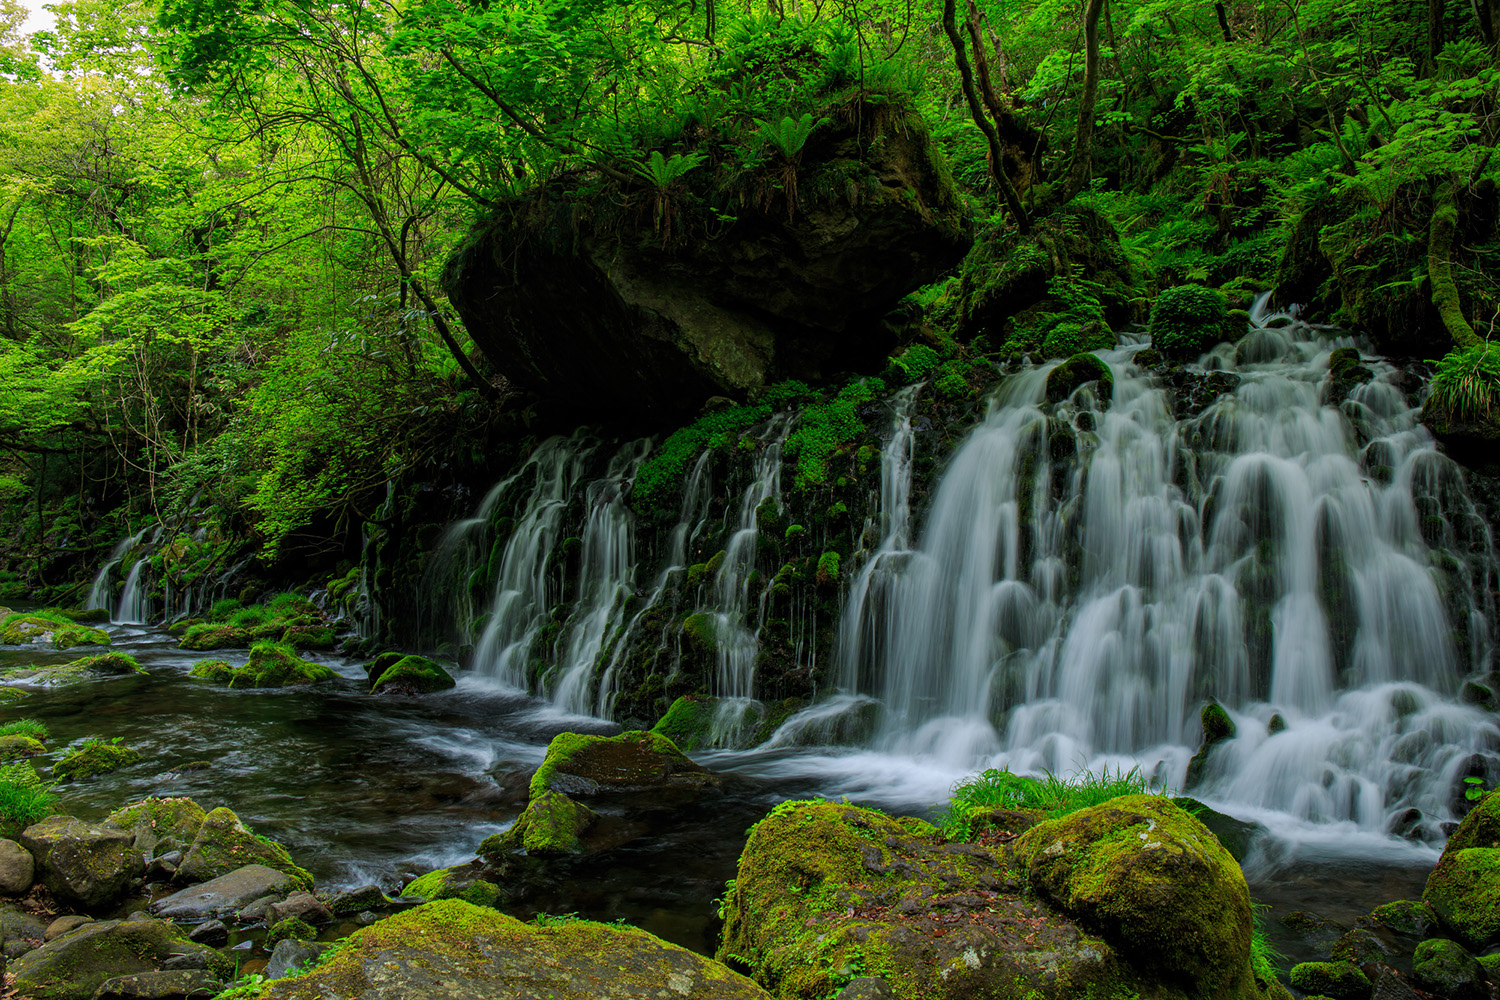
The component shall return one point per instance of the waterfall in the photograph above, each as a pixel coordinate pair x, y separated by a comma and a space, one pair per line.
1090, 572
135, 606
101, 594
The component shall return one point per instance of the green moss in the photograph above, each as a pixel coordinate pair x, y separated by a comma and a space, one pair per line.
658, 486
1070, 337
211, 635
273, 665
1405, 916
309, 637
442, 884
107, 664
1187, 320
1462, 890
18, 629
217, 671
828, 569
413, 675
828, 427
79, 635
94, 759
687, 723
290, 929
1481, 827
223, 844
551, 824
1079, 370
702, 633
1335, 979
177, 818
795, 531
629, 758
16, 746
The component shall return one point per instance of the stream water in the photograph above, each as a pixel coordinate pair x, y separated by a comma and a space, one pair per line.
1082, 579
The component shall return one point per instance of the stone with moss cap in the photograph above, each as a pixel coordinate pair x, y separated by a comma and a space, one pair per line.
578, 764
18, 747
1156, 883
688, 722
827, 892
1218, 728
153, 820
70, 636
1078, 371
103, 665
1448, 971
83, 864
272, 665
412, 675
215, 671
1340, 980
1187, 320
94, 759
1465, 883
460, 882
456, 951
75, 965
551, 824
223, 844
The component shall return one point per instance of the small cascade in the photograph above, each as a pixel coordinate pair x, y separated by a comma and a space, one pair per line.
101, 594
734, 629
1090, 572
135, 605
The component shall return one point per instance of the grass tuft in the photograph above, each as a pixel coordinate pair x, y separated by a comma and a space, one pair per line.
1051, 795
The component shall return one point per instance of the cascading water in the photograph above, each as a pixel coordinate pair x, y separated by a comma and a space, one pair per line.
1088, 575
101, 594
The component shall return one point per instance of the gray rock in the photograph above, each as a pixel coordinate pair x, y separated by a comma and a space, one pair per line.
290, 956
17, 868
63, 924
161, 986
866, 988
211, 932
74, 966
224, 895
15, 923
303, 906
366, 897
257, 911
81, 863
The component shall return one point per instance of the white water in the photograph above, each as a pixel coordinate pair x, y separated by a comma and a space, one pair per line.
101, 594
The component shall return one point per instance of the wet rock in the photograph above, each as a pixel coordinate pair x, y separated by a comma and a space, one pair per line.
461, 952
290, 956
411, 675
1340, 980
460, 882
64, 924
1411, 917
258, 910
1361, 947
1078, 371
20, 932
81, 863
366, 897
17, 868
1443, 967
223, 844
1238, 836
300, 906
866, 988
211, 932
1392, 985
552, 824
161, 986
93, 759
225, 895
154, 821
579, 765
1218, 728
18, 747
73, 967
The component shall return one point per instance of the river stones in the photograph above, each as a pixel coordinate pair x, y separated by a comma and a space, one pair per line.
551, 824
17, 868
74, 966
82, 864
153, 821
223, 844
1464, 887
300, 906
225, 895
410, 675
455, 951
579, 765
290, 955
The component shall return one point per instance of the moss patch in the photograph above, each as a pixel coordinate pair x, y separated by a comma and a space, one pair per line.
18, 747
1189, 319
94, 759
412, 675
272, 665
551, 824
216, 671
687, 723
449, 883
1080, 370
224, 844
79, 635
582, 764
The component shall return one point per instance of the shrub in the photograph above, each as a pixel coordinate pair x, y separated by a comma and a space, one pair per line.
1466, 385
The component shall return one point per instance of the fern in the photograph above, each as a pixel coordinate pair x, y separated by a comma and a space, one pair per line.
663, 172
1466, 385
790, 135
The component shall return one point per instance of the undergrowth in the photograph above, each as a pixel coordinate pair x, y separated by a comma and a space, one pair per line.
1466, 385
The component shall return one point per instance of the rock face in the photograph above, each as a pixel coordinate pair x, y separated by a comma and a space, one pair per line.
612, 309
829, 893
454, 951
74, 966
80, 863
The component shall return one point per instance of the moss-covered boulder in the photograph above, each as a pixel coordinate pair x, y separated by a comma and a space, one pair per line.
82, 864
1464, 887
214, 671
1339, 980
272, 665
152, 821
70, 636
94, 759
214, 635
1078, 371
456, 951
460, 882
1217, 728
309, 637
223, 844
74, 966
1411, 917
18, 629
827, 892
551, 824
577, 764
290, 929
1187, 320
1154, 882
85, 668
412, 675
1448, 971
688, 723
18, 747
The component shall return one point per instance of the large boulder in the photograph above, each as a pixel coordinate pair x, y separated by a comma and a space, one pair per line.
411, 675
225, 895
609, 309
157, 821
1464, 887
223, 844
1156, 883
455, 951
827, 893
75, 965
81, 863
579, 765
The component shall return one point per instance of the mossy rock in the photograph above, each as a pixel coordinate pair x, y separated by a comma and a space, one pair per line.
1447, 970
215, 671
1070, 337
75, 965
94, 759
1340, 980
309, 637
1411, 917
453, 883
551, 824
212, 635
701, 634
103, 665
1344, 373
688, 723
290, 929
1187, 320
584, 765
382, 663
826, 892
70, 636
412, 675
224, 844
1079, 370
1155, 882
22, 629
1218, 728
1463, 890
153, 820
459, 951
87, 616
1481, 827
17, 747
272, 666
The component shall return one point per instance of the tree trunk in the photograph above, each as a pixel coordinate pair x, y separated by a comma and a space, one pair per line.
1440, 268
976, 111
1083, 143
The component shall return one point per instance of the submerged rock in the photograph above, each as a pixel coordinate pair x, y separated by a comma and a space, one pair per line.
94, 758
74, 966
456, 951
80, 863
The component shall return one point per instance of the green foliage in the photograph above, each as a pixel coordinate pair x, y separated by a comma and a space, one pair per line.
828, 427
24, 800
662, 172
1050, 795
1188, 319
659, 482
789, 135
26, 727
1466, 385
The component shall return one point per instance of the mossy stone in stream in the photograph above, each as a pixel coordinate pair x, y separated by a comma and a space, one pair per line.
1447, 970
79, 635
272, 665
687, 723
1465, 884
153, 820
551, 824
94, 759
1481, 827
290, 929
1340, 980
1218, 728
309, 637
223, 844
103, 665
1344, 373
18, 747
1187, 320
18, 629
213, 635
579, 764
451, 883
74, 966
1079, 370
412, 675
216, 671
1411, 917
